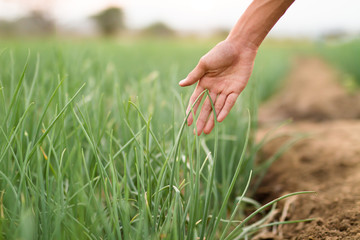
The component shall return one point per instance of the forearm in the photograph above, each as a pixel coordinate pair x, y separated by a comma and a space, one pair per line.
257, 21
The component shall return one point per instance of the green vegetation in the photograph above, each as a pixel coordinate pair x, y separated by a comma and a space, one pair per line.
93, 144
346, 57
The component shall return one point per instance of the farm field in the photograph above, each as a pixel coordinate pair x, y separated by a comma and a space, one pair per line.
93, 143
325, 116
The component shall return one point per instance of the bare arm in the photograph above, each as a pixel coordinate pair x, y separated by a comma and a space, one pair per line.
226, 69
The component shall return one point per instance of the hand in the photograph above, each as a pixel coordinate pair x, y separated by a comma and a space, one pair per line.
224, 71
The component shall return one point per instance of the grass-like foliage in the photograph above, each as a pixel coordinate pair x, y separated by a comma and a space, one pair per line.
92, 146
345, 56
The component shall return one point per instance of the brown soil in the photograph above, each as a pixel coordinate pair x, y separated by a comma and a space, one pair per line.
326, 161
312, 93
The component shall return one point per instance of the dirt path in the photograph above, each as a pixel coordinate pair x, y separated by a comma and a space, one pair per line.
327, 161
312, 93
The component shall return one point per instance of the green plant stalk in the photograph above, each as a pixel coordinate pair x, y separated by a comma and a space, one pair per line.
242, 224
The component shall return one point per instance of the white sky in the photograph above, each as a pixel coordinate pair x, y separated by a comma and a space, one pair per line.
305, 17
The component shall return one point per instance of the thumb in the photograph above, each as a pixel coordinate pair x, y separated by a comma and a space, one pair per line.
194, 76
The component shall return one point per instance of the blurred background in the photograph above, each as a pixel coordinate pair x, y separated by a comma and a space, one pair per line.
91, 18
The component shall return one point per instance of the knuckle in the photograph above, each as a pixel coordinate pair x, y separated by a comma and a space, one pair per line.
241, 88
232, 99
192, 99
218, 107
200, 121
207, 107
231, 102
202, 62
217, 110
189, 76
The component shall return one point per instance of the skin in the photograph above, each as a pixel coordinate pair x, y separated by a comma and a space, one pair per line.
226, 69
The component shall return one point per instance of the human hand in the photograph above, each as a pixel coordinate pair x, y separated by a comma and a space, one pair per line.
224, 71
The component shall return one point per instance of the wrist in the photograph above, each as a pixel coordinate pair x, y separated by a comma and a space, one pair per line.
242, 42
242, 46
257, 21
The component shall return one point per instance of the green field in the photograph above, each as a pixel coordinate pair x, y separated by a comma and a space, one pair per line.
93, 143
346, 57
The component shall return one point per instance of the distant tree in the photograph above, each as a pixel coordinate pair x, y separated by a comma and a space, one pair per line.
334, 34
110, 21
221, 32
36, 23
158, 29
6, 28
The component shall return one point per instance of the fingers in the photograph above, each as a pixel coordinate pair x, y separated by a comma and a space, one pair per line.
229, 103
219, 104
223, 105
198, 90
195, 75
204, 114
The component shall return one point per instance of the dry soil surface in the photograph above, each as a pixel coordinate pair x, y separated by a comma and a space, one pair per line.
326, 161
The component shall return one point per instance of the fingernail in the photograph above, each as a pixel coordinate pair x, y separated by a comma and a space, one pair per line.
219, 118
182, 81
